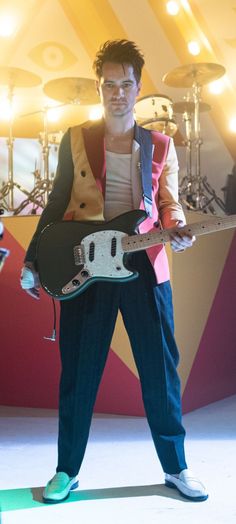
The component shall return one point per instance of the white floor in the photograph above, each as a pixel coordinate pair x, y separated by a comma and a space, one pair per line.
121, 480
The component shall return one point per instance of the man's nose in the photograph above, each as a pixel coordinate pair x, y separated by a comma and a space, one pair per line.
118, 91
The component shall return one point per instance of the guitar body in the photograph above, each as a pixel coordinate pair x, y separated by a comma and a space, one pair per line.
71, 255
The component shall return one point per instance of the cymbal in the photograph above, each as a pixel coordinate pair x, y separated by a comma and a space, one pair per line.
72, 90
190, 74
189, 107
15, 77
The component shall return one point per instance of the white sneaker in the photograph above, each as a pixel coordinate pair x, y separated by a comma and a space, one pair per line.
188, 485
58, 488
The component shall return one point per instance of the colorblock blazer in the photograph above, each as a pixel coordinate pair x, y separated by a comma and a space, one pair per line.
80, 185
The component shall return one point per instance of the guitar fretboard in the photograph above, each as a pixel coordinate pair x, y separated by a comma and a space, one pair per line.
143, 241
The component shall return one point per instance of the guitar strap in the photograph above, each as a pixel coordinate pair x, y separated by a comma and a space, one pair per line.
153, 147
144, 138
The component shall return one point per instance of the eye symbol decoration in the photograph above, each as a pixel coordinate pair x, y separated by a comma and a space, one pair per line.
52, 56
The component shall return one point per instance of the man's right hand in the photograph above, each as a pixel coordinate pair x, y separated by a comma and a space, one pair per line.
30, 280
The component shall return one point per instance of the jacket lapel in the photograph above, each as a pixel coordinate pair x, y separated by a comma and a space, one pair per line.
94, 145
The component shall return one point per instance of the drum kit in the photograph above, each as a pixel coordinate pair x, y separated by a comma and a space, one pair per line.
155, 112
13, 77
77, 91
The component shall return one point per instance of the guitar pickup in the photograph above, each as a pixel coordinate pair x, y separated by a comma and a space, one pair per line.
79, 256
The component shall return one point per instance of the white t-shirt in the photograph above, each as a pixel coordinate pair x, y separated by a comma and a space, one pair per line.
119, 196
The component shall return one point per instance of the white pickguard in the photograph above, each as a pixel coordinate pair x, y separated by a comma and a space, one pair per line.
103, 265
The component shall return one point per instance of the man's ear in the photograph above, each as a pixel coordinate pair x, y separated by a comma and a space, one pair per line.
97, 87
139, 87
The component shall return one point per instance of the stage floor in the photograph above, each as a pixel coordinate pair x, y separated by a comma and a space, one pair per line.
121, 480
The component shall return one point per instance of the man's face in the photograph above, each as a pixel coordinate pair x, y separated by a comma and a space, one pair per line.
118, 89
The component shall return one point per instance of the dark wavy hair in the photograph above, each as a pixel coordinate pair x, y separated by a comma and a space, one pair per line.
120, 52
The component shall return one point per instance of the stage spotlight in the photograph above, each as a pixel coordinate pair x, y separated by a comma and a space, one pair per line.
216, 87
53, 114
6, 109
194, 48
96, 112
7, 25
172, 8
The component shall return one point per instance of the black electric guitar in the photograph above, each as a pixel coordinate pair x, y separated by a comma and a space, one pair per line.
71, 255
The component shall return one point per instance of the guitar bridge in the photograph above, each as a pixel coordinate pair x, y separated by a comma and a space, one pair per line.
79, 256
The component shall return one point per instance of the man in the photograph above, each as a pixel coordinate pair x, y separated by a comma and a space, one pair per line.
106, 169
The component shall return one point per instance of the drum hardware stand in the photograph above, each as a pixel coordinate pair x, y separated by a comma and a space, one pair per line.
8, 188
187, 181
45, 153
13, 77
191, 191
195, 191
36, 196
43, 185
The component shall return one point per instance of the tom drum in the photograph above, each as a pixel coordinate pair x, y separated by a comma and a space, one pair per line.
155, 112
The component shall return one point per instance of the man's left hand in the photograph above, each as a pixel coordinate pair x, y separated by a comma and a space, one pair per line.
180, 240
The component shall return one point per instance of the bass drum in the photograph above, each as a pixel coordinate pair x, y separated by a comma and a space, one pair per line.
155, 112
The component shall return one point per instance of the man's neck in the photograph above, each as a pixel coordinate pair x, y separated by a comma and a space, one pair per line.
116, 127
119, 135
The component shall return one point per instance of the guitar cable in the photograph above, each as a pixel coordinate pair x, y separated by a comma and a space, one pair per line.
27, 281
53, 336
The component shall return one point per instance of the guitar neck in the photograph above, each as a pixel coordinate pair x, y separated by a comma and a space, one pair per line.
143, 241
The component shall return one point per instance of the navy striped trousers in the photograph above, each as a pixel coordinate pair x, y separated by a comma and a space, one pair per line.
86, 326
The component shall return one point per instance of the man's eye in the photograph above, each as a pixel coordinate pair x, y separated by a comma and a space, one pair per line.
127, 85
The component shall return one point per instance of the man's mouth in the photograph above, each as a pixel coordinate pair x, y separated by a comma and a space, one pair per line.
118, 103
